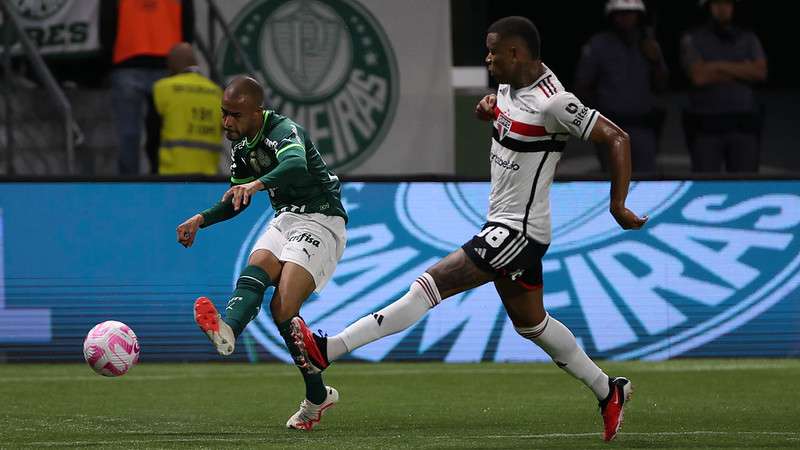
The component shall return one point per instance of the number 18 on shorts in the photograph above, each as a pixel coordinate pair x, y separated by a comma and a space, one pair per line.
504, 251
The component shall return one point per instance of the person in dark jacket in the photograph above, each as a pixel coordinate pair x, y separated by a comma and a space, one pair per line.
723, 63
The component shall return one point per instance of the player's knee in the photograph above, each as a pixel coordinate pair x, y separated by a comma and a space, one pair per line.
530, 326
266, 261
425, 286
253, 278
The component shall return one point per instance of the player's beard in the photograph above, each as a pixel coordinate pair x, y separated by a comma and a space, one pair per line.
232, 135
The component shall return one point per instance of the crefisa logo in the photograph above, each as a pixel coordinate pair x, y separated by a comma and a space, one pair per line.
328, 65
714, 256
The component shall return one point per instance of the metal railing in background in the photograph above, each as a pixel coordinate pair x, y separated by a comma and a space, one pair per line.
6, 91
215, 19
46, 77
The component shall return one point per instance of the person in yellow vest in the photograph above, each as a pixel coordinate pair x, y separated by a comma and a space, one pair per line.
191, 121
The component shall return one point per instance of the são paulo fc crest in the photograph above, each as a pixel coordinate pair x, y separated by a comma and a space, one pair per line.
713, 258
327, 65
503, 124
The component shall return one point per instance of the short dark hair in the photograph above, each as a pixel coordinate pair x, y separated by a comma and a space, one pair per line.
521, 27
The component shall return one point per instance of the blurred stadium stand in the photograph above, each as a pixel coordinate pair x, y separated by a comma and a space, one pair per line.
39, 146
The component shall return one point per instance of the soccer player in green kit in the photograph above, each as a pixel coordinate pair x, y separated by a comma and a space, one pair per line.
299, 250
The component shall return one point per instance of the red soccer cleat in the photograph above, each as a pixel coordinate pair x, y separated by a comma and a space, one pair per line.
612, 407
312, 348
217, 331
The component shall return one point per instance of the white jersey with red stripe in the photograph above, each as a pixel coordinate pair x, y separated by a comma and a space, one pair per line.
531, 127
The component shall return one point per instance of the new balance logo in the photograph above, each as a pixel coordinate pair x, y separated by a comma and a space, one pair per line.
378, 318
561, 365
480, 251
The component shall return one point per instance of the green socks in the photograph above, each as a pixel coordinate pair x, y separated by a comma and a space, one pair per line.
244, 305
246, 299
315, 388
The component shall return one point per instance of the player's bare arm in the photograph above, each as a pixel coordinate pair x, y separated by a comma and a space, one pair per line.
240, 194
484, 109
619, 155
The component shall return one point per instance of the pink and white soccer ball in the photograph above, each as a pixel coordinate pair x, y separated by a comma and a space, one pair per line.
111, 348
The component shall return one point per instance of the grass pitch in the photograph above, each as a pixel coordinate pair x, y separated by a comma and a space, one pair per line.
676, 404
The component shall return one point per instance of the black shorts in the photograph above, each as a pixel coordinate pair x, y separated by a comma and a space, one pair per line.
508, 253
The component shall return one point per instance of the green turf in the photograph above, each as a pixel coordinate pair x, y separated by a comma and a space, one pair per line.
676, 404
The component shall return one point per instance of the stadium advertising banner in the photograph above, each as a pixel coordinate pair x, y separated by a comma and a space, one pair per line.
716, 272
60, 27
358, 75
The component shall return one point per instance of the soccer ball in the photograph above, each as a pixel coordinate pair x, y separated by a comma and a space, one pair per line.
111, 348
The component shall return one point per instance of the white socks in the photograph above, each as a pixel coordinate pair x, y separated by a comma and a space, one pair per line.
558, 342
421, 296
551, 335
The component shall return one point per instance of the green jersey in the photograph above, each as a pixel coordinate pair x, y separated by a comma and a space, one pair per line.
283, 156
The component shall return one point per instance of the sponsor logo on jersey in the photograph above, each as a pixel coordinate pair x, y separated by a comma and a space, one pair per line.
291, 208
328, 65
712, 257
572, 108
504, 163
305, 237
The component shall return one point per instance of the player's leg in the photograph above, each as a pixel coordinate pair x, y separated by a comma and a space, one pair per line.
296, 286
525, 307
474, 264
526, 310
314, 245
464, 269
263, 270
453, 274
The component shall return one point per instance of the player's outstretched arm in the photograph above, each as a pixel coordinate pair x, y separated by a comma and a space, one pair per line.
223, 210
619, 155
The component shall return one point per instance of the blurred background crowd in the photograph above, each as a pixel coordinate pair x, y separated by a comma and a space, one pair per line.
700, 86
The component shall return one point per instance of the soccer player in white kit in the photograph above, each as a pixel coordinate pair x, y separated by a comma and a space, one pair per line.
532, 117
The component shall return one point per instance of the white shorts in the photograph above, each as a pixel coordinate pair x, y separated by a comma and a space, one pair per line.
313, 241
